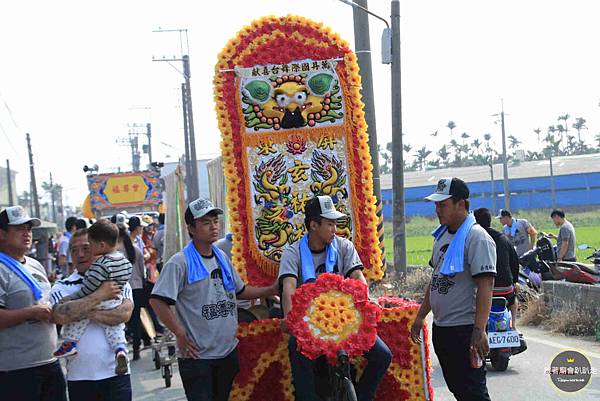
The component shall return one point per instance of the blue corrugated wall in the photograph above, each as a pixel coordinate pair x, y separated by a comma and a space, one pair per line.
526, 193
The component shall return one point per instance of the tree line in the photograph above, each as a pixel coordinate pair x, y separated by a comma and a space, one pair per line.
564, 138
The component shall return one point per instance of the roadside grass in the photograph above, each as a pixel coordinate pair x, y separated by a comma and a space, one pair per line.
564, 318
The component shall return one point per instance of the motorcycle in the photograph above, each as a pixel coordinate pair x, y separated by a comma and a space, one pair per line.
503, 339
594, 257
542, 260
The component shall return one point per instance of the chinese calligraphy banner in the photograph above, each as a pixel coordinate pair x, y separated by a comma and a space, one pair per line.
142, 188
292, 123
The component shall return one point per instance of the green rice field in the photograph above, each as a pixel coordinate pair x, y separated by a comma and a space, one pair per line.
419, 241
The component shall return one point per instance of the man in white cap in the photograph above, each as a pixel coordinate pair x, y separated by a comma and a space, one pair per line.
460, 292
203, 286
319, 251
28, 371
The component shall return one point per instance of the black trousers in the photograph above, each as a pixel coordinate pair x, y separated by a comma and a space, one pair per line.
452, 345
40, 383
209, 379
135, 323
117, 388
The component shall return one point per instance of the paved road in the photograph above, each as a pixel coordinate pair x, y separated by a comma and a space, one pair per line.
523, 380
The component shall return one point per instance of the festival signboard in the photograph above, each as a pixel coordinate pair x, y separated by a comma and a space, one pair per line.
140, 189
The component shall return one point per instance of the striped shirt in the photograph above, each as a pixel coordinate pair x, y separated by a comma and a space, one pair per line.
112, 266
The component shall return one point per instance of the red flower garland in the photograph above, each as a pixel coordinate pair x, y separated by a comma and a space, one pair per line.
355, 344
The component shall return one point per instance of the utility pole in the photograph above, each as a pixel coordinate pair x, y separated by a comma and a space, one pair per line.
188, 162
398, 158
34, 195
552, 189
505, 163
9, 182
193, 190
504, 158
53, 198
493, 184
132, 142
149, 135
135, 154
192, 141
362, 45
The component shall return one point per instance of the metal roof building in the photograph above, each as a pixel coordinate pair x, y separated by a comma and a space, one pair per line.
576, 181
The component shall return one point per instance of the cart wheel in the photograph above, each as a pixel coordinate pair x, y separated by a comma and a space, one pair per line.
167, 375
156, 359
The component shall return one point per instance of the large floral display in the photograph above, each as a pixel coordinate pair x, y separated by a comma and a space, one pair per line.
265, 372
333, 314
292, 123
287, 94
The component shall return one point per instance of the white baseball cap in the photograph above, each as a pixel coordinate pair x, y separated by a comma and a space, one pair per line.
15, 216
322, 206
201, 207
120, 219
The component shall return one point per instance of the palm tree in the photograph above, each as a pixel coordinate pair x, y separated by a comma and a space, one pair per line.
514, 142
407, 148
571, 148
384, 168
422, 155
561, 131
597, 137
434, 134
533, 155
551, 140
537, 133
451, 125
456, 146
443, 154
565, 118
465, 136
488, 147
579, 124
435, 163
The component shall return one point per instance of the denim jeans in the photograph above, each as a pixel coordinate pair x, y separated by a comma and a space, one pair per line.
117, 388
40, 383
452, 345
378, 359
209, 379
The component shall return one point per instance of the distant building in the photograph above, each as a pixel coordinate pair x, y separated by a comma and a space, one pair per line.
4, 187
576, 181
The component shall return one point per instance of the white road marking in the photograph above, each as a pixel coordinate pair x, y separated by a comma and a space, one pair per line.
554, 344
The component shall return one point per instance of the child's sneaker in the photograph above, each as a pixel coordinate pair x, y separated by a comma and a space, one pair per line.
67, 348
122, 362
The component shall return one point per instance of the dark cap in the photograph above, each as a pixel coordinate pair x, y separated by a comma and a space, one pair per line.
504, 213
135, 222
322, 206
447, 188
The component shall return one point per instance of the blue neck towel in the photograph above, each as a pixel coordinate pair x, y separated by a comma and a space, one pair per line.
454, 259
197, 271
512, 230
308, 266
23, 274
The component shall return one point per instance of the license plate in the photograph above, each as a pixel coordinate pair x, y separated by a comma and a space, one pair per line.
504, 339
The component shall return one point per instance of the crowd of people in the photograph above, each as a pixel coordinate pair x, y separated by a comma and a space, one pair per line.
112, 269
